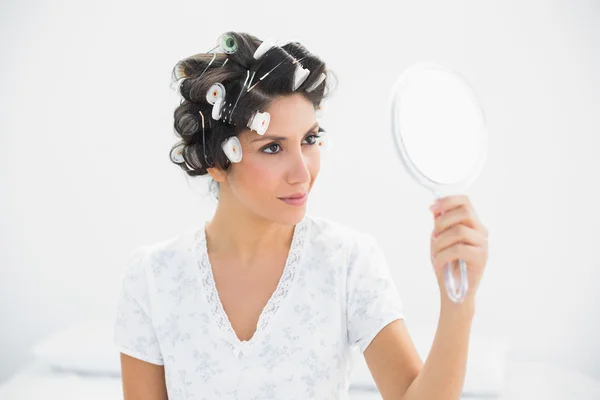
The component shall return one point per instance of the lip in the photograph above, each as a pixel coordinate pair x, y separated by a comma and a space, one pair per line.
297, 199
298, 195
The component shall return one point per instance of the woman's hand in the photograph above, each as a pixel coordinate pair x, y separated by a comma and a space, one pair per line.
458, 235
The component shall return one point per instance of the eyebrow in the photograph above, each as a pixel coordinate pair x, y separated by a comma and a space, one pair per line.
282, 138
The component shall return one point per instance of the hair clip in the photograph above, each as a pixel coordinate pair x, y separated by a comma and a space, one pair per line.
262, 77
226, 43
232, 149
216, 91
209, 64
204, 139
319, 80
260, 53
300, 75
259, 122
239, 95
177, 85
177, 153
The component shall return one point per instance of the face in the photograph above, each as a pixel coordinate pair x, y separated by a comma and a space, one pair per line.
283, 162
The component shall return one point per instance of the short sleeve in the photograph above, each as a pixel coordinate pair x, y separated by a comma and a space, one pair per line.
134, 332
373, 300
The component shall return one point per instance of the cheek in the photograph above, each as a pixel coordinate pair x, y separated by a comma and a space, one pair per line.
313, 162
258, 172
261, 173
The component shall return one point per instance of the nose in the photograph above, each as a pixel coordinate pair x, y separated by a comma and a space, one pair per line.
298, 171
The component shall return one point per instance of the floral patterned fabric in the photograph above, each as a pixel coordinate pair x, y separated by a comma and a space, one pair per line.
335, 292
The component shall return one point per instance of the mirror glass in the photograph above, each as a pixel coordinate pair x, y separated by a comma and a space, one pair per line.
439, 123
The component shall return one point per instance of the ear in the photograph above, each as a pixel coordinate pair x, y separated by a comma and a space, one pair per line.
217, 174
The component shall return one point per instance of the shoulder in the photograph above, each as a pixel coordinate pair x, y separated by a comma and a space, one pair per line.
327, 229
155, 256
334, 234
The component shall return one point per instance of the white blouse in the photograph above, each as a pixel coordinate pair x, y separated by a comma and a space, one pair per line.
336, 292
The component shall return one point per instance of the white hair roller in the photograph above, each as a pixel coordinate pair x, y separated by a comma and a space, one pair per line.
259, 122
177, 153
216, 111
319, 80
232, 149
263, 48
282, 43
227, 43
300, 75
177, 85
324, 142
216, 91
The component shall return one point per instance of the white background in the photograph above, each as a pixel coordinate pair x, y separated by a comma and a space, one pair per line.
86, 126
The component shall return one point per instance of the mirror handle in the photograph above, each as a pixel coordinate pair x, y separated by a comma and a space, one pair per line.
456, 294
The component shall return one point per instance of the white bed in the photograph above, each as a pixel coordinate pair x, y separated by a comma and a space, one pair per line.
81, 362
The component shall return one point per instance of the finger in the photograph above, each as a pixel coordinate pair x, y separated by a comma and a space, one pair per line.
460, 215
483, 230
461, 251
457, 234
445, 204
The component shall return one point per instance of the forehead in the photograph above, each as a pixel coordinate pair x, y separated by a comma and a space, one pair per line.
286, 110
290, 116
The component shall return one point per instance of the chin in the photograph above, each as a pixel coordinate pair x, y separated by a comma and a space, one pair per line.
289, 217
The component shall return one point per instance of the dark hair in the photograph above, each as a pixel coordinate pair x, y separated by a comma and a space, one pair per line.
231, 70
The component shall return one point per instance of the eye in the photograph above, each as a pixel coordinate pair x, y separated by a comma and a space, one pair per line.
271, 147
312, 139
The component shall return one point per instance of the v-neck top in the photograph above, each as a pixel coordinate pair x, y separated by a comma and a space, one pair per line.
335, 294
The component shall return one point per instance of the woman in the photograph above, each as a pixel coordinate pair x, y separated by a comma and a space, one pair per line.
263, 301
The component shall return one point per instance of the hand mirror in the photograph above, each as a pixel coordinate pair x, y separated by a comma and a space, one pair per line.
440, 134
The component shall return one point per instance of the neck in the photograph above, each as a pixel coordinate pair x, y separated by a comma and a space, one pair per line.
236, 231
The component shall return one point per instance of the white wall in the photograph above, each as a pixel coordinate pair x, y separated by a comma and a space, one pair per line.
86, 125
